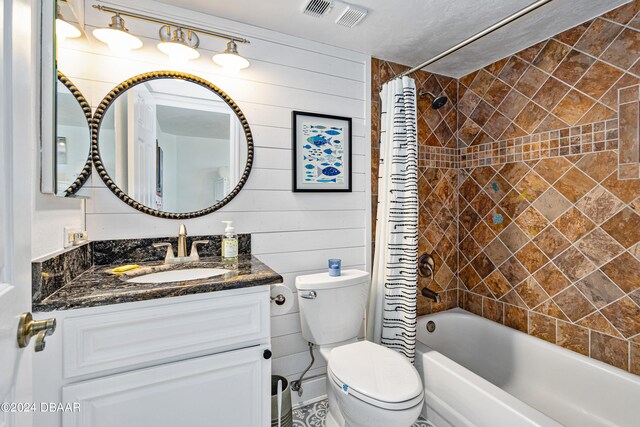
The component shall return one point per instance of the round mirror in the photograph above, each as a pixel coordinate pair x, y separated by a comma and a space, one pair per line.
72, 151
171, 145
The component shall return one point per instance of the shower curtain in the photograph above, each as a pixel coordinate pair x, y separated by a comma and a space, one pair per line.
391, 315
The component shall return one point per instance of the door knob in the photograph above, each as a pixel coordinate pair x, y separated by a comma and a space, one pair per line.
27, 328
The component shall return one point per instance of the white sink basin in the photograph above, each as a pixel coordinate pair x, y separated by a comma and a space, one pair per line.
179, 275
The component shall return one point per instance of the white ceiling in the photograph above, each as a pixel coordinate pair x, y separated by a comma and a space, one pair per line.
192, 122
411, 31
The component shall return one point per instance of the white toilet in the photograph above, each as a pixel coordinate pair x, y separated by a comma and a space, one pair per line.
368, 385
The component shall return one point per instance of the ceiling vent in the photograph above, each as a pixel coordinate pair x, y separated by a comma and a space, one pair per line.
317, 8
351, 16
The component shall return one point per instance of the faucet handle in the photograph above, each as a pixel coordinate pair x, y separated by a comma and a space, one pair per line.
169, 249
195, 256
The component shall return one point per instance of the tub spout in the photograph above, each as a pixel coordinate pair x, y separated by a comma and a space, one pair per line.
431, 294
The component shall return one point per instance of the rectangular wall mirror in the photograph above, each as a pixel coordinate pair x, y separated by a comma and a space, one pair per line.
65, 134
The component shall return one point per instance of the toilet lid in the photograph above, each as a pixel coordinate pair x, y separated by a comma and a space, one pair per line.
375, 374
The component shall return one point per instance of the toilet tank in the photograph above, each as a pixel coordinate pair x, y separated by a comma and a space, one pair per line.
332, 308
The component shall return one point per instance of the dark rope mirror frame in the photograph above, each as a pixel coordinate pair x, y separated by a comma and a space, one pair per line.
86, 108
141, 78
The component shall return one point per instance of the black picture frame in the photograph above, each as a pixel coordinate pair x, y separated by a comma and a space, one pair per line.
298, 185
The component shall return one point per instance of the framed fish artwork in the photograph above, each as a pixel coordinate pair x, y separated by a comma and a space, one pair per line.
321, 152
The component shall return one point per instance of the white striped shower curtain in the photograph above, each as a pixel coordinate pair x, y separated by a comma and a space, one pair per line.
391, 315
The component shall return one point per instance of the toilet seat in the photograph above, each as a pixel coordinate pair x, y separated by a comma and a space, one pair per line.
376, 375
397, 406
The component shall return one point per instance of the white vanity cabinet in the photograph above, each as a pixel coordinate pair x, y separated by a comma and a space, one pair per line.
195, 360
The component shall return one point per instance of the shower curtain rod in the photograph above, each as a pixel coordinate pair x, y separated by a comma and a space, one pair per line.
475, 37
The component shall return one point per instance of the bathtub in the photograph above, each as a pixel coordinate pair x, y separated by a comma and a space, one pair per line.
479, 373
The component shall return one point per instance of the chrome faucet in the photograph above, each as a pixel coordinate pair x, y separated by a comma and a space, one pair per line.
182, 248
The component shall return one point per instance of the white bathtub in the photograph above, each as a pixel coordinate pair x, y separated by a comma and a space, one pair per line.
479, 373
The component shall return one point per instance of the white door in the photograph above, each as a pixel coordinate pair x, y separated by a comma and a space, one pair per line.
229, 389
18, 151
10, 354
142, 150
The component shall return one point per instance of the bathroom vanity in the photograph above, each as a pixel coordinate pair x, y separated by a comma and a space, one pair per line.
195, 352
181, 339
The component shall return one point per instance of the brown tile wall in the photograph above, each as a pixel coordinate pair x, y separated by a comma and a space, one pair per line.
552, 247
438, 176
571, 79
548, 231
549, 234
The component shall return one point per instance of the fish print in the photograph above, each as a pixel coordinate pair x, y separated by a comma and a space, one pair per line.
318, 140
323, 153
330, 171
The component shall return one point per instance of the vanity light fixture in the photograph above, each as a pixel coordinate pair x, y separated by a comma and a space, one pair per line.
230, 59
65, 30
180, 41
177, 46
117, 36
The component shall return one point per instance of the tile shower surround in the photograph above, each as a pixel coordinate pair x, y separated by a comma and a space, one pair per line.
547, 218
437, 221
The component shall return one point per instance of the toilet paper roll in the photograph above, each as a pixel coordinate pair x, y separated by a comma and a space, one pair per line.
277, 305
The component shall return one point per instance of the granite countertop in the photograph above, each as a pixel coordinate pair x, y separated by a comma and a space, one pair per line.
99, 286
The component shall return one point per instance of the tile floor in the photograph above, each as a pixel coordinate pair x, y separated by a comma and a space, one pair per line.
313, 415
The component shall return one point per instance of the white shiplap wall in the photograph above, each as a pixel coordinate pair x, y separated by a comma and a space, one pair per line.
293, 233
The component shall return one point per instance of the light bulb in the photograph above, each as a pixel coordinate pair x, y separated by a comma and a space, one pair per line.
179, 47
117, 36
178, 52
64, 30
230, 59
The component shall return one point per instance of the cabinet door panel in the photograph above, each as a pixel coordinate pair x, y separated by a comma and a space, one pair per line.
227, 389
137, 337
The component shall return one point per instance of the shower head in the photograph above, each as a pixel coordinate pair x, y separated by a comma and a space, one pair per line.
438, 102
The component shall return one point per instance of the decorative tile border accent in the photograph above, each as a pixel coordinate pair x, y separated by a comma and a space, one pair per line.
584, 139
589, 138
439, 157
629, 154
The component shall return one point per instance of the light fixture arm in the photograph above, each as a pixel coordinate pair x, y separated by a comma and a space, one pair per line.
191, 39
142, 17
117, 23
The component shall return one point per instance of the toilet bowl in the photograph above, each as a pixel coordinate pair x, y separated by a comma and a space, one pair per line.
371, 385
368, 385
